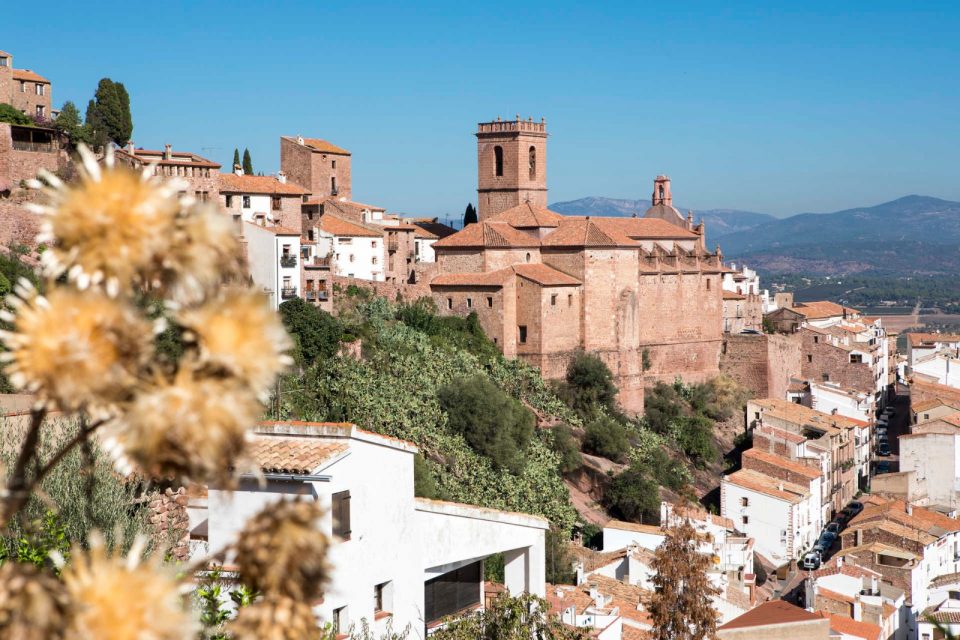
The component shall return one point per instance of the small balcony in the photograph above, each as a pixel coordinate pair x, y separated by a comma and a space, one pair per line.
288, 292
319, 262
288, 261
317, 296
393, 244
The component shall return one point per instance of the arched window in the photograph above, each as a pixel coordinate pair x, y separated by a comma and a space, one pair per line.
498, 158
528, 257
533, 163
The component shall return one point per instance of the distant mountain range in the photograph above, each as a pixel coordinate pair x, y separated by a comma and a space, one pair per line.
913, 235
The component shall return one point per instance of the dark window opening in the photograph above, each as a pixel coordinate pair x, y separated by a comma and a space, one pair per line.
498, 159
452, 592
246, 202
490, 301
275, 203
533, 163
523, 334
341, 514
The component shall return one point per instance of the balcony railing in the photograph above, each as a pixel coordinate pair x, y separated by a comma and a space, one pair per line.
316, 295
288, 261
43, 147
393, 244
319, 261
288, 292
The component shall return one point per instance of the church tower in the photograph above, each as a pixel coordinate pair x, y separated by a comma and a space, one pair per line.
511, 165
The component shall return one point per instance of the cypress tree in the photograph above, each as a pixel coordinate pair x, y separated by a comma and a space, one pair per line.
96, 131
470, 215
125, 129
247, 163
236, 159
108, 114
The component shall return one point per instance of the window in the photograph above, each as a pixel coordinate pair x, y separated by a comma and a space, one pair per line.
528, 256
708, 284
40, 89
373, 244
373, 260
3, 61
744, 502
345, 240
523, 334
341, 621
569, 299
498, 159
229, 201
351, 257
553, 299
533, 163
23, 87
40, 110
246, 202
383, 597
275, 203
826, 377
809, 358
341, 514
856, 358
469, 303
816, 339
452, 592
333, 164
746, 520
333, 185
286, 250
449, 303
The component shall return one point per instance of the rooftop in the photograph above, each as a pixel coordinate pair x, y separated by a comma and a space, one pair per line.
232, 183
771, 613
921, 339
767, 485
320, 146
800, 415
490, 234
337, 226
26, 74
822, 309
539, 273
850, 627
793, 466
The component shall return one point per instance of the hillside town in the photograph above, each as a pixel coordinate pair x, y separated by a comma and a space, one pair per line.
823, 504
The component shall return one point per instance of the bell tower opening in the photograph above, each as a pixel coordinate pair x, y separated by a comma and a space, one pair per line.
511, 165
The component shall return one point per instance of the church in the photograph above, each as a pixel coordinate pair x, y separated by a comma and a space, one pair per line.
644, 293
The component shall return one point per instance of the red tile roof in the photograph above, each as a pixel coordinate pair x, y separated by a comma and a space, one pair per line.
339, 227
733, 295
275, 229
768, 613
539, 273
822, 309
528, 216
793, 466
767, 485
324, 147
545, 276
918, 339
491, 234
851, 627
291, 454
269, 185
26, 74
479, 279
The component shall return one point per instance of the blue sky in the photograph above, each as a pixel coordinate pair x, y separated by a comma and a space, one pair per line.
771, 107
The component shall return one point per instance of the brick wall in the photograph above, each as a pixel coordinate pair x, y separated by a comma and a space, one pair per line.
313, 170
398, 248
820, 358
771, 444
169, 519
775, 471
515, 186
899, 577
830, 605
763, 363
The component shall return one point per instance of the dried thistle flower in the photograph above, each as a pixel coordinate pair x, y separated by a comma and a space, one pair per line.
282, 550
108, 228
75, 349
33, 604
189, 428
123, 598
275, 617
238, 334
204, 253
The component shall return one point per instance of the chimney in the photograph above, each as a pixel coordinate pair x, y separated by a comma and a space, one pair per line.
237, 170
167, 152
874, 586
281, 177
595, 595
909, 509
300, 140
130, 148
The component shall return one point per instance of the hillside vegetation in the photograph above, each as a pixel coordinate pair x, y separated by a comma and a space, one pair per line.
491, 431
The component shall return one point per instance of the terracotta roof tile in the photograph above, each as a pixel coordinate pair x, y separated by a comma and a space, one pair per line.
291, 454
275, 229
528, 216
583, 232
822, 309
324, 147
645, 228
767, 485
798, 468
232, 183
344, 228
491, 234
918, 339
768, 613
479, 279
783, 434
651, 529
545, 276
733, 295
850, 627
26, 74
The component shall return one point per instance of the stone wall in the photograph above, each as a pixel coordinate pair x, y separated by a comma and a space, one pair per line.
762, 363
313, 170
423, 272
824, 362
170, 520
774, 471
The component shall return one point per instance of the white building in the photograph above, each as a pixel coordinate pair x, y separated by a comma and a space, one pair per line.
351, 249
941, 367
395, 558
925, 344
746, 282
784, 518
932, 453
272, 254
861, 594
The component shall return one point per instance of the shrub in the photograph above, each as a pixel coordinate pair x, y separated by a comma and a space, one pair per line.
424, 485
633, 496
493, 423
608, 438
315, 332
12, 115
590, 384
565, 446
695, 437
663, 406
670, 472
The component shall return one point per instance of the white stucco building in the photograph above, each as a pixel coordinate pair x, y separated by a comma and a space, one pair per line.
272, 254
932, 453
920, 345
351, 249
395, 558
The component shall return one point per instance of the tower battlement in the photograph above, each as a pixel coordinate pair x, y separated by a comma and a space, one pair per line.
513, 126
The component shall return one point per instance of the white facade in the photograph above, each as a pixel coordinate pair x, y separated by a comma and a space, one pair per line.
423, 249
828, 397
934, 458
273, 257
746, 282
941, 367
395, 541
354, 251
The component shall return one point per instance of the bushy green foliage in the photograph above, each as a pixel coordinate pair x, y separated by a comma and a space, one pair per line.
590, 385
247, 163
424, 485
213, 598
669, 472
69, 122
607, 437
633, 496
393, 391
565, 445
511, 618
86, 500
108, 114
452, 331
469, 214
12, 115
493, 423
316, 333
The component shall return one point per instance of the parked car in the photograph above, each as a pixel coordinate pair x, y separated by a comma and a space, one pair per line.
750, 332
883, 467
811, 560
884, 449
827, 539
834, 528
855, 507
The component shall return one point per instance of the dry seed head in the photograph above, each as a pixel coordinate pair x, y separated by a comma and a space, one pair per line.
34, 605
275, 617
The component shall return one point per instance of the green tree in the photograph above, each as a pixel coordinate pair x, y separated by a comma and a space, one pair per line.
633, 496
590, 385
424, 485
607, 438
108, 113
469, 215
125, 131
681, 607
565, 446
493, 423
95, 127
12, 115
68, 121
511, 618
315, 332
236, 160
247, 163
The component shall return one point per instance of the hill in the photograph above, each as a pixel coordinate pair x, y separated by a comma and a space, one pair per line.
719, 221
